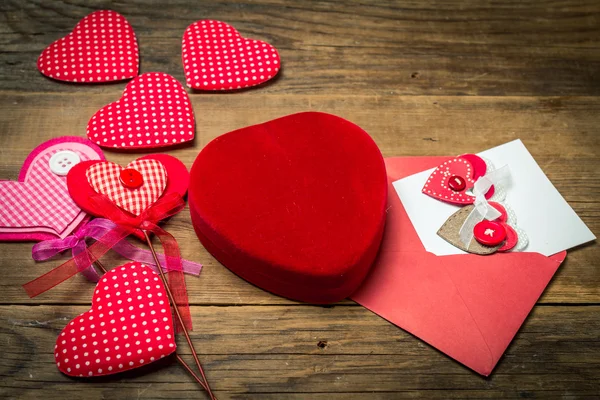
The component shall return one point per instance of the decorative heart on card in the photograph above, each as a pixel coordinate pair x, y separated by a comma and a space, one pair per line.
133, 188
101, 48
451, 181
216, 57
295, 205
154, 111
38, 206
128, 326
451, 228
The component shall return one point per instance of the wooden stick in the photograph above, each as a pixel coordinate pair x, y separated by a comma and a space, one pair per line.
171, 298
190, 371
181, 361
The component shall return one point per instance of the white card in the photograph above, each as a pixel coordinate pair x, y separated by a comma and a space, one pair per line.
550, 223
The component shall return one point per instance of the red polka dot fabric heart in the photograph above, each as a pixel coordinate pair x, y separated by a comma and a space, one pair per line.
155, 111
111, 180
101, 48
451, 181
128, 326
216, 57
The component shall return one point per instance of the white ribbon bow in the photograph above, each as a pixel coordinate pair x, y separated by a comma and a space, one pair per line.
482, 210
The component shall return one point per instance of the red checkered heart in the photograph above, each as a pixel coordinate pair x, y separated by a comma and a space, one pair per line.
216, 57
451, 181
155, 111
101, 48
105, 178
128, 326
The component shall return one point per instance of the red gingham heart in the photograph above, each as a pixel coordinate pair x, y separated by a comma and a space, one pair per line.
155, 111
467, 167
129, 325
101, 48
216, 57
105, 178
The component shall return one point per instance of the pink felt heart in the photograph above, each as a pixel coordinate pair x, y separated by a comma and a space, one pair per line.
155, 111
101, 48
216, 57
38, 206
128, 326
105, 178
451, 181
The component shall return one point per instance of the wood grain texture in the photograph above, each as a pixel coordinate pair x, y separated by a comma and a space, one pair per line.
423, 78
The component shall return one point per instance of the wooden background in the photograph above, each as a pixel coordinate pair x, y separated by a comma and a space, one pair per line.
423, 77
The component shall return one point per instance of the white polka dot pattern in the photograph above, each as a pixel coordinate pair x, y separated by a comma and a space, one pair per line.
105, 178
155, 111
129, 325
101, 48
216, 57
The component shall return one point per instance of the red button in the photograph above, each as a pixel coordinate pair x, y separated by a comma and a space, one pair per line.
489, 233
131, 178
457, 183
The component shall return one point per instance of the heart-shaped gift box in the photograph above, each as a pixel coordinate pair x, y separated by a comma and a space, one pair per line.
295, 205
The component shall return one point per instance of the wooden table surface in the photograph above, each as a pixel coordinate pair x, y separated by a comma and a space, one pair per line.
423, 78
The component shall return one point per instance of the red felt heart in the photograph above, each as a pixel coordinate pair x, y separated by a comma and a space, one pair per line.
106, 178
128, 326
101, 48
295, 205
81, 191
451, 181
154, 111
216, 57
38, 205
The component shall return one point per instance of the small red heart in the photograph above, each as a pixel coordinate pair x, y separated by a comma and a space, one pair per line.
295, 205
128, 326
216, 57
38, 206
106, 178
154, 111
101, 48
451, 181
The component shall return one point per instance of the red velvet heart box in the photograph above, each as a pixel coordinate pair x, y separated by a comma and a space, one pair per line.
295, 205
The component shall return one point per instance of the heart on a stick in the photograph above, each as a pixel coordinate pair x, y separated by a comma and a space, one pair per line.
148, 183
216, 57
451, 181
101, 48
154, 111
128, 326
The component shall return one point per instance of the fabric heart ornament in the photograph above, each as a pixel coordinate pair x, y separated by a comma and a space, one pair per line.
38, 206
154, 111
128, 326
101, 48
449, 231
451, 181
133, 188
295, 205
216, 57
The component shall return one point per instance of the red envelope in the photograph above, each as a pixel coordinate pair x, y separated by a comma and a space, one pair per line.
467, 306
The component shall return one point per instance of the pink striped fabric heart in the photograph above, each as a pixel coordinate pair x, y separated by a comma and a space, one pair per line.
38, 206
105, 178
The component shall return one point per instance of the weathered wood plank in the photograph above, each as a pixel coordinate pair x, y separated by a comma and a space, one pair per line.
252, 350
436, 48
561, 133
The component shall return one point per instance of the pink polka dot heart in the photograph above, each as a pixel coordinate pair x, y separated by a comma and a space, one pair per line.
155, 111
216, 57
101, 48
128, 326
